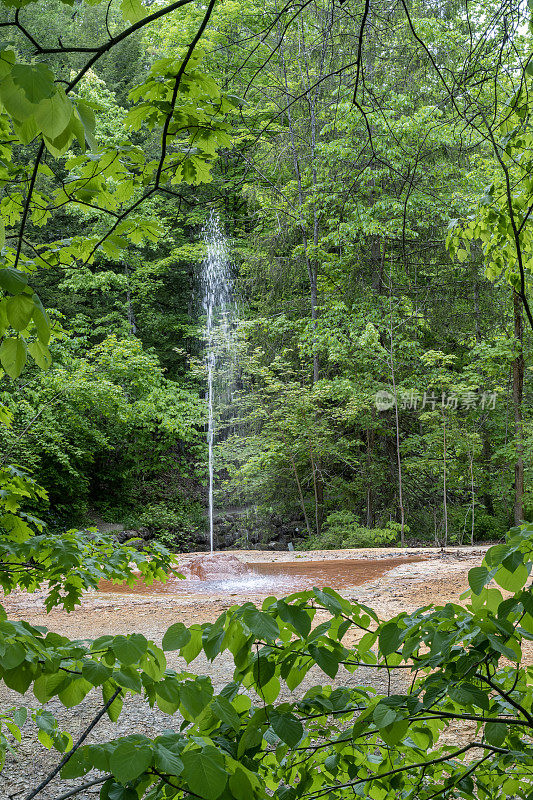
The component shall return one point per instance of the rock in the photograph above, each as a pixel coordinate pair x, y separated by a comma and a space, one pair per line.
215, 567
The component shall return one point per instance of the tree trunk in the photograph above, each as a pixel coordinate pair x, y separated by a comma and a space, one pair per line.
518, 391
131, 314
369, 497
485, 487
471, 463
445, 499
397, 421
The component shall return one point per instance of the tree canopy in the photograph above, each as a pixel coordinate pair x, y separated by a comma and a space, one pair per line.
371, 167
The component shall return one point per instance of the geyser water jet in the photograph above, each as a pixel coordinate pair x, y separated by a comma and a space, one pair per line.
220, 344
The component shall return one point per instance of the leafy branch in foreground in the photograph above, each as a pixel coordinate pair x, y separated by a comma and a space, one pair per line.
47, 124
253, 740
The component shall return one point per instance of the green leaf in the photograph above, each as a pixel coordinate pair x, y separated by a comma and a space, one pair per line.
511, 581
167, 761
287, 727
129, 649
19, 311
75, 692
195, 696
108, 690
88, 120
468, 694
392, 734
128, 678
13, 354
40, 354
295, 616
176, 637
12, 280
53, 114
477, 577
132, 10
389, 638
41, 320
326, 660
384, 716
495, 733
240, 785
36, 80
129, 760
95, 672
224, 711
204, 772
261, 624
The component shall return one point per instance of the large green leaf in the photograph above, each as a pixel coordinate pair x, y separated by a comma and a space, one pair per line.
53, 114
389, 638
511, 581
12, 280
132, 10
240, 785
129, 649
261, 624
19, 311
495, 733
384, 716
88, 120
468, 694
195, 696
36, 80
95, 672
295, 616
167, 761
15, 101
204, 772
176, 637
73, 694
13, 354
287, 727
477, 577
129, 760
41, 320
40, 354
326, 660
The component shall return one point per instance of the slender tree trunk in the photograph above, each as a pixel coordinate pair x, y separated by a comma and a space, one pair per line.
397, 421
518, 391
302, 502
131, 315
471, 462
486, 494
319, 497
445, 499
369, 498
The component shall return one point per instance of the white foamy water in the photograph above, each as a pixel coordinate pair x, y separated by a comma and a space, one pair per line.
220, 341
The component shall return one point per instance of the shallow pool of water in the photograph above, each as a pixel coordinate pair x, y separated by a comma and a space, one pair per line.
264, 578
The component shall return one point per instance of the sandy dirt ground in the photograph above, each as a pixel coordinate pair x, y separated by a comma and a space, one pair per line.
438, 578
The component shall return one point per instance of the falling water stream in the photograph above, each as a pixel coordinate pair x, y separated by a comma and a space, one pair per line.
220, 346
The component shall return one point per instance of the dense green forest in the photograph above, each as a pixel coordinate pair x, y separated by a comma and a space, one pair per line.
369, 168
360, 186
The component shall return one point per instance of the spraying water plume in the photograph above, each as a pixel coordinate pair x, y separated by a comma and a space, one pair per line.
220, 340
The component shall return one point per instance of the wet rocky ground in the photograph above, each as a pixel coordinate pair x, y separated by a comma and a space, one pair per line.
436, 578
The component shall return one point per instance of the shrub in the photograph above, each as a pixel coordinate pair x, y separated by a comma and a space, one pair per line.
342, 530
173, 525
